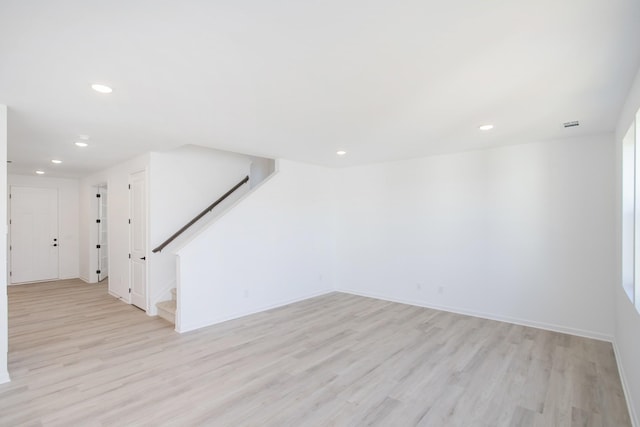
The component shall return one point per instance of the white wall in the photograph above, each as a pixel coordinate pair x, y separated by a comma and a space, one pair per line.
4, 339
117, 180
68, 217
260, 169
521, 233
183, 182
627, 319
274, 247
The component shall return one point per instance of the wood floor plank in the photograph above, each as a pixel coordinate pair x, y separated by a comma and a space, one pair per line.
78, 356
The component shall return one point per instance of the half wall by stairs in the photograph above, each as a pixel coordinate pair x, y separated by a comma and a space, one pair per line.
272, 247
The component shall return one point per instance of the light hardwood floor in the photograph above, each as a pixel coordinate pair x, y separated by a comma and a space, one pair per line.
80, 357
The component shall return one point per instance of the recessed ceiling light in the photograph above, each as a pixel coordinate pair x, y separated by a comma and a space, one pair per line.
40, 172
56, 161
486, 127
341, 152
81, 144
101, 88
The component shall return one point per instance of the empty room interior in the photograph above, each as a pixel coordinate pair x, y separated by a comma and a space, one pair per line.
244, 213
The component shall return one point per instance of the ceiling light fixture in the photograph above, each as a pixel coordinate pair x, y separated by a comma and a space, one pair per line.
81, 144
40, 172
486, 127
101, 88
341, 152
56, 161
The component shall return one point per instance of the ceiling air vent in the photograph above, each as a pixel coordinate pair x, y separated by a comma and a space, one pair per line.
571, 124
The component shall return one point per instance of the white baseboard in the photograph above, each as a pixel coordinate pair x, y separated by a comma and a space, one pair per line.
522, 322
113, 294
193, 327
635, 421
4, 377
45, 281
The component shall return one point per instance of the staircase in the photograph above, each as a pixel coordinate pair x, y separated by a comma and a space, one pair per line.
167, 309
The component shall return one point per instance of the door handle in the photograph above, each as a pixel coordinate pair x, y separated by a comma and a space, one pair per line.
143, 258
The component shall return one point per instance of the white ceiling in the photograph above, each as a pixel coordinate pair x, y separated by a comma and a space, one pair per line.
299, 80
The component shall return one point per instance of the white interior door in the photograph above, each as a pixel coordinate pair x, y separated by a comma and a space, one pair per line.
138, 240
34, 234
103, 249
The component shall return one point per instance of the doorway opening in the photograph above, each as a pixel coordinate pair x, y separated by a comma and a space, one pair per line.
102, 231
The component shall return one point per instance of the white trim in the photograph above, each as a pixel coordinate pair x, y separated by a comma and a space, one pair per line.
635, 421
522, 322
31, 283
121, 298
85, 280
247, 313
43, 281
4, 377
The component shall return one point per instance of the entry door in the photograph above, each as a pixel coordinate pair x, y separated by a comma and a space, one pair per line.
34, 234
138, 240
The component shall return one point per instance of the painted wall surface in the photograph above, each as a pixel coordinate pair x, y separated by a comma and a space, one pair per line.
4, 337
521, 233
117, 180
273, 247
68, 218
183, 182
627, 319
260, 169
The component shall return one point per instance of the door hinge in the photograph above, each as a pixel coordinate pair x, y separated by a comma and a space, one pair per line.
9, 222
129, 221
129, 290
10, 273
98, 221
129, 256
97, 271
129, 186
10, 247
97, 246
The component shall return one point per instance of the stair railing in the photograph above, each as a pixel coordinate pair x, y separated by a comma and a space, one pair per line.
201, 214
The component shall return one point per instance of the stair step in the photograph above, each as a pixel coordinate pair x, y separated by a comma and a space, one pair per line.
167, 310
173, 294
